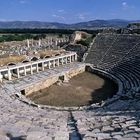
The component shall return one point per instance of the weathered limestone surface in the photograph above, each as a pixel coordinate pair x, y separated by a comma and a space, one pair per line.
74, 72
21, 69
115, 121
41, 85
46, 78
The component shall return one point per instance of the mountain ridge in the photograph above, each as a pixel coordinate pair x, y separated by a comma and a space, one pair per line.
115, 23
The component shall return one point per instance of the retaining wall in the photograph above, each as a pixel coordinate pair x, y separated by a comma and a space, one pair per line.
29, 89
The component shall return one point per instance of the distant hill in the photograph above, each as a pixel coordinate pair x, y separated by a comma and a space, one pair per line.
102, 24
116, 23
31, 24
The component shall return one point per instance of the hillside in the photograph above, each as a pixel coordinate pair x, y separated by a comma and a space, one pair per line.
54, 25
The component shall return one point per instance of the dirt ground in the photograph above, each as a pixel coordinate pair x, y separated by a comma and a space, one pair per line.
12, 59
83, 89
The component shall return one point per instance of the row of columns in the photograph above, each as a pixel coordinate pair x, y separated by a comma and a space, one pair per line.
37, 66
49, 42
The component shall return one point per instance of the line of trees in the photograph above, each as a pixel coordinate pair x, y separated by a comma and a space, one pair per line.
44, 31
22, 34
20, 37
15, 37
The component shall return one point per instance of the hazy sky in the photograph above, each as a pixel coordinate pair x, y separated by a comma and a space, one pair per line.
68, 11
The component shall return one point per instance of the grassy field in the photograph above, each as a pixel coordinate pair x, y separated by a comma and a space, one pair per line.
83, 89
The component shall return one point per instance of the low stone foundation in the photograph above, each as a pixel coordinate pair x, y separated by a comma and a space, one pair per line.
44, 83
75, 72
40, 85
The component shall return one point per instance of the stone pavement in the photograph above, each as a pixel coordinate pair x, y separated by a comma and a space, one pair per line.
119, 120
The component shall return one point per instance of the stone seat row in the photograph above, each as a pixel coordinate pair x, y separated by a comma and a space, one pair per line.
119, 55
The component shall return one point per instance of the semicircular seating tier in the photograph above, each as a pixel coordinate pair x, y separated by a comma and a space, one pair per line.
119, 55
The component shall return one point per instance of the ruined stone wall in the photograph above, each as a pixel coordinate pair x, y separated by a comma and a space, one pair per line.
40, 85
29, 89
75, 72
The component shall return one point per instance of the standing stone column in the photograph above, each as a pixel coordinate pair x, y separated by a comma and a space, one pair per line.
39, 42
25, 73
70, 59
28, 43
62, 61
75, 57
49, 64
58, 63
42, 66
37, 68
32, 43
18, 75
9, 75
1, 77
51, 41
54, 63
31, 70
66, 60
56, 43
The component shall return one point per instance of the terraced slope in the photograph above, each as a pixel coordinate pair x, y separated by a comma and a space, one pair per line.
118, 55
